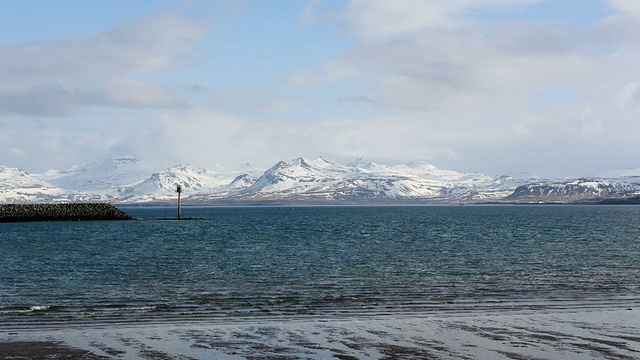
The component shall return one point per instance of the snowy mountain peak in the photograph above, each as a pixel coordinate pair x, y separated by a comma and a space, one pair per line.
185, 169
16, 186
9, 173
241, 182
185, 175
363, 163
247, 168
322, 163
421, 165
302, 162
628, 172
120, 162
525, 176
296, 165
279, 165
101, 180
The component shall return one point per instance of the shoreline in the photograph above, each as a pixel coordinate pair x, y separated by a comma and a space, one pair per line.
581, 334
59, 317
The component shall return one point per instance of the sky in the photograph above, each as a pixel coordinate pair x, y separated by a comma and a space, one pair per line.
493, 86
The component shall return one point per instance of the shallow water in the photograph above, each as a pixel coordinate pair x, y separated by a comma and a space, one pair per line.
318, 261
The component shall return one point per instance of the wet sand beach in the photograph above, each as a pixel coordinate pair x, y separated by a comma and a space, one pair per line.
554, 334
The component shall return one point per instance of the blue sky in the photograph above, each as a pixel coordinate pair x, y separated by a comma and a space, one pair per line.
495, 86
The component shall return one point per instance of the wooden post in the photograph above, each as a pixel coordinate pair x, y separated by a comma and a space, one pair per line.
179, 191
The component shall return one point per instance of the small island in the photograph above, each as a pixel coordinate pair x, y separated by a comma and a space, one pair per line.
61, 212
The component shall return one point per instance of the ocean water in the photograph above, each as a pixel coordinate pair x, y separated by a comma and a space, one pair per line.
235, 263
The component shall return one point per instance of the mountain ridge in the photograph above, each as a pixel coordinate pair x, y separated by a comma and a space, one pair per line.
120, 180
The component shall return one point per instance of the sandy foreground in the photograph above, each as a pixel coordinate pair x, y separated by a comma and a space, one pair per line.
553, 334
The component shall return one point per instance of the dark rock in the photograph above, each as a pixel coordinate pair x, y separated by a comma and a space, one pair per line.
61, 212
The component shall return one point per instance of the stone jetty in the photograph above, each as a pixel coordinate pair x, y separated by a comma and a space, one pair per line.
61, 212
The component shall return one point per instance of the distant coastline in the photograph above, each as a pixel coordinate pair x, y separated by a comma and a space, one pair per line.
377, 202
61, 212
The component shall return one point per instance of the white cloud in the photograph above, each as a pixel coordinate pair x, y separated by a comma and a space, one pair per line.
56, 101
631, 7
464, 94
39, 101
206, 137
518, 87
374, 19
426, 55
128, 93
308, 15
57, 78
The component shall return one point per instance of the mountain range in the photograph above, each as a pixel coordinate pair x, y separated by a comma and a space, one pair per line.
318, 181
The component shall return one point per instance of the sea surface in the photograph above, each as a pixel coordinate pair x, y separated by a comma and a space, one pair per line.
235, 263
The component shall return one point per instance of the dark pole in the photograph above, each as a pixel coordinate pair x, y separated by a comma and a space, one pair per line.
179, 191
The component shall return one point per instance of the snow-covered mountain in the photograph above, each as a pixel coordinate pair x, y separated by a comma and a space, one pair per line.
363, 180
196, 183
122, 180
585, 189
97, 182
16, 186
628, 172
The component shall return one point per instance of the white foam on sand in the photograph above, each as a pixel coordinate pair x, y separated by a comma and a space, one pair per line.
565, 334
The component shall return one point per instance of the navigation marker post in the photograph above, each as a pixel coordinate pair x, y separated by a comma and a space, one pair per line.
179, 191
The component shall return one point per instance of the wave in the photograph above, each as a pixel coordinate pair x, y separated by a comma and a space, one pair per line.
22, 310
47, 316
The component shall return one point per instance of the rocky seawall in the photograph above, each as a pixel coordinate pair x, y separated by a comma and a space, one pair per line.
61, 212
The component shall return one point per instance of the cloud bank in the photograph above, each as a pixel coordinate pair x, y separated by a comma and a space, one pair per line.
532, 89
449, 82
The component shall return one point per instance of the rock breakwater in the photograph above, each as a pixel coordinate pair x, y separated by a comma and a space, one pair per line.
61, 212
